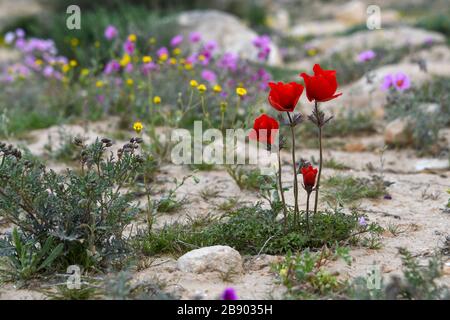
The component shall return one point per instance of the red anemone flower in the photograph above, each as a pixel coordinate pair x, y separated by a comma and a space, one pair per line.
284, 96
322, 85
262, 129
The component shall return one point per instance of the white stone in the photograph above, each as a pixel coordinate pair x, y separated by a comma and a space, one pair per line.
353, 12
432, 164
317, 28
221, 259
394, 38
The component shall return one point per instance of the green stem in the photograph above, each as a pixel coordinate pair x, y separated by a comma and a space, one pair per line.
307, 212
294, 166
222, 120
208, 121
236, 111
282, 191
316, 201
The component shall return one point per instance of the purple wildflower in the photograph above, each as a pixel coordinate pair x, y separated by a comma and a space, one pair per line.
100, 98
162, 51
211, 46
209, 76
129, 47
228, 61
402, 81
176, 41
366, 56
362, 222
263, 44
48, 71
20, 33
399, 81
195, 37
229, 294
111, 32
129, 68
261, 41
111, 66
148, 67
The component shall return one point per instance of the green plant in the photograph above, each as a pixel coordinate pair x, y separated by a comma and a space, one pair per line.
245, 178
418, 282
87, 291
66, 150
342, 189
305, 276
86, 211
332, 163
169, 202
28, 257
253, 230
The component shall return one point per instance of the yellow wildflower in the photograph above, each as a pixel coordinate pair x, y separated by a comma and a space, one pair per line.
137, 126
146, 59
38, 62
126, 59
130, 82
73, 63
99, 84
241, 91
176, 51
201, 88
283, 272
157, 100
65, 68
193, 83
217, 88
201, 57
163, 57
132, 37
312, 52
188, 66
84, 72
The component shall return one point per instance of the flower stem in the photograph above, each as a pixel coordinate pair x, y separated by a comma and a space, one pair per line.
238, 104
319, 125
208, 121
307, 212
294, 166
282, 191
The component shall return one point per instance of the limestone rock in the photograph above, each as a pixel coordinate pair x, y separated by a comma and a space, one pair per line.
222, 259
367, 39
398, 133
231, 34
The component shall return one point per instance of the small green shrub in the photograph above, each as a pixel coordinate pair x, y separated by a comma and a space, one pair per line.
28, 257
86, 211
305, 275
253, 230
418, 282
341, 189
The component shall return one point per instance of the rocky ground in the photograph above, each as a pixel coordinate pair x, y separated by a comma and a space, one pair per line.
418, 193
